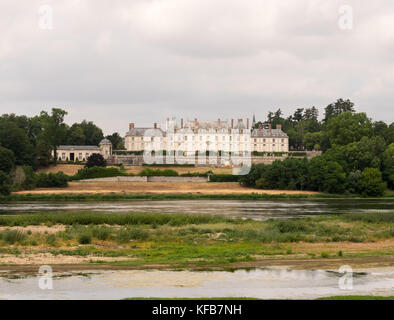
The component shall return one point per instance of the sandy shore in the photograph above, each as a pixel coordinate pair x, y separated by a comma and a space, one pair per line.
158, 188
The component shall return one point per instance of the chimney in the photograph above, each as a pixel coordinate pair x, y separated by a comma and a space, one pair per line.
247, 123
270, 128
131, 126
182, 123
155, 125
219, 123
232, 123
279, 126
260, 126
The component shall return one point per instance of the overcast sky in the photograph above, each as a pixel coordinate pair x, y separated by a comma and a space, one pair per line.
115, 62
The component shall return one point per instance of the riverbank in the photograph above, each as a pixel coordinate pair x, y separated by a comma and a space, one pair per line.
29, 196
176, 241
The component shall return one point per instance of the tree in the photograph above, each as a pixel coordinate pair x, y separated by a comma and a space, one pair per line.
314, 140
15, 139
54, 129
95, 160
7, 160
4, 184
326, 175
348, 127
298, 114
371, 183
338, 107
75, 135
117, 141
388, 165
92, 133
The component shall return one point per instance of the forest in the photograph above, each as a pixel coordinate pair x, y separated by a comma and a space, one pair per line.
357, 153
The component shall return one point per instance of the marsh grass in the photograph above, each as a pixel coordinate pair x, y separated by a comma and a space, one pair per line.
182, 240
13, 236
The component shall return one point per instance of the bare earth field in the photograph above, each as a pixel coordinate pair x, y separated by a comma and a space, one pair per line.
71, 169
157, 188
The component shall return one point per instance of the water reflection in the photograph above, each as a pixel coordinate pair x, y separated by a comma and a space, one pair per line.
246, 209
279, 283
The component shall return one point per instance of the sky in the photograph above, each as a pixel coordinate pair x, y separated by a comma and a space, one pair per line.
141, 61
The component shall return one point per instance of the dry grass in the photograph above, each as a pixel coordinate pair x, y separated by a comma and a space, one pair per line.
158, 188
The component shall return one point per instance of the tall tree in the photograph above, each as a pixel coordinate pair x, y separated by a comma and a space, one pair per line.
54, 128
338, 107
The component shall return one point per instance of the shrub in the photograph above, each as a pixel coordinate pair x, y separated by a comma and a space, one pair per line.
96, 160
223, 178
371, 183
84, 238
134, 233
13, 236
97, 172
101, 233
157, 172
50, 180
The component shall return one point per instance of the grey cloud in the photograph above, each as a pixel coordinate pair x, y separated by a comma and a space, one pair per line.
143, 61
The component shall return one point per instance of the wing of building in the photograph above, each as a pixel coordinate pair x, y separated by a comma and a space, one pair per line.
192, 136
82, 153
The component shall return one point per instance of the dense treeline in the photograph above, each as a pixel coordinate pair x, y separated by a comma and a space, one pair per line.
27, 142
357, 153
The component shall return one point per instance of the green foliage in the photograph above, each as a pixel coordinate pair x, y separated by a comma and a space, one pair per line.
7, 160
95, 160
130, 234
12, 236
223, 178
5, 182
116, 140
348, 127
54, 128
157, 172
84, 238
325, 175
371, 183
52, 180
16, 139
97, 172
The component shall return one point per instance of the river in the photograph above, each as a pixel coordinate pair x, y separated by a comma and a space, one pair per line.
259, 210
270, 283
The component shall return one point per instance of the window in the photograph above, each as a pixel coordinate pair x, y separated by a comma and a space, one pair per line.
273, 140
87, 155
283, 140
263, 140
80, 156
63, 156
255, 140
273, 145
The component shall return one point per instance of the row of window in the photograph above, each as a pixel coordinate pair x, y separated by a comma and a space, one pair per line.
79, 157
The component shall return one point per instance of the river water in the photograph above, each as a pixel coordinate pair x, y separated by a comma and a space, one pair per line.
260, 210
271, 283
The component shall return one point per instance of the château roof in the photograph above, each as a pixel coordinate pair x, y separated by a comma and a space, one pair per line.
267, 133
140, 132
90, 148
